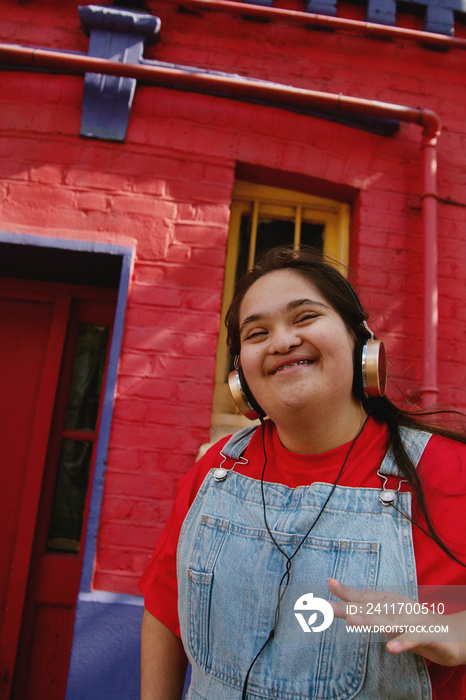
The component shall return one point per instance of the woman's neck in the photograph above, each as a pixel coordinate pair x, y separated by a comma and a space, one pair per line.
314, 433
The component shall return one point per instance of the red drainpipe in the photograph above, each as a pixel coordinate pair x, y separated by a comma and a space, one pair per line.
309, 19
429, 389
286, 95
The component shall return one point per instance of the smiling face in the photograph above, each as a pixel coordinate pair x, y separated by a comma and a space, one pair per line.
296, 351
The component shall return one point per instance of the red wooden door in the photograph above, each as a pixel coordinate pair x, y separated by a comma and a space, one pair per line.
43, 327
33, 330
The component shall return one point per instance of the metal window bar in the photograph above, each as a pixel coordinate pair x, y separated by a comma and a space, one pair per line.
254, 227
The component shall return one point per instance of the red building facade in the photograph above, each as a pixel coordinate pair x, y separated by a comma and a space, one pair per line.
127, 206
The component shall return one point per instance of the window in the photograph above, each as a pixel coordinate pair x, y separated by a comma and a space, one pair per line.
261, 218
88, 354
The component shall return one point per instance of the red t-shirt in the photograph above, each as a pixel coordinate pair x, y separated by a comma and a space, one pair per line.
443, 472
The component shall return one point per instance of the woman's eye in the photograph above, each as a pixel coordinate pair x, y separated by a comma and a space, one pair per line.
255, 334
307, 316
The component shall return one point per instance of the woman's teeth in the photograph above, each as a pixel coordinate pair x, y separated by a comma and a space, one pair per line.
293, 364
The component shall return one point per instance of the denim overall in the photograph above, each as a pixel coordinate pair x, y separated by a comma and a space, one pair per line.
229, 572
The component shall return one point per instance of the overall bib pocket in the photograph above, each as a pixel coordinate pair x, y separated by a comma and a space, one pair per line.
232, 589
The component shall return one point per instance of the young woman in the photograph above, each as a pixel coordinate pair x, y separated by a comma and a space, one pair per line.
337, 496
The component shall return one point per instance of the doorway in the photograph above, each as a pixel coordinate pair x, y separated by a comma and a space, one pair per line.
53, 361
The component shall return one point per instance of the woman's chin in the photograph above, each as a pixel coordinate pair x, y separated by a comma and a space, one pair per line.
288, 405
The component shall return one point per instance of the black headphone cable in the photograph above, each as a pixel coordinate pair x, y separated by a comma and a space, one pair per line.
289, 560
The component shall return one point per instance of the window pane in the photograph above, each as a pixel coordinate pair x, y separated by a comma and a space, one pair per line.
70, 496
271, 233
86, 385
312, 234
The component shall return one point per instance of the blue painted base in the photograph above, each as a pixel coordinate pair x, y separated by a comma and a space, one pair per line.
105, 658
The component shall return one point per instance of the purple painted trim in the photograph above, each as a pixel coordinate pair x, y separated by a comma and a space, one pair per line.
116, 19
105, 424
64, 243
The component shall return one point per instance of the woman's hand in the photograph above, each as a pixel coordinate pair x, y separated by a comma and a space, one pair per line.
423, 636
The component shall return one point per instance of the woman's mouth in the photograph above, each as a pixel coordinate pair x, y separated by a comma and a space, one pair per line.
292, 364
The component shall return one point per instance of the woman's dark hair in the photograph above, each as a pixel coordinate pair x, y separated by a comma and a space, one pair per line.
310, 263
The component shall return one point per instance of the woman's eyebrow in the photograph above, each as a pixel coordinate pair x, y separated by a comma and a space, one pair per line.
251, 319
295, 304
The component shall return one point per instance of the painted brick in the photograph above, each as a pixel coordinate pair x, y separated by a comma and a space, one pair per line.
88, 201
154, 434
199, 344
139, 315
46, 175
79, 177
203, 300
144, 205
167, 459
181, 320
149, 246
136, 364
153, 339
174, 416
119, 559
199, 393
145, 387
199, 233
149, 185
145, 512
211, 257
40, 196
193, 276
131, 411
205, 212
139, 485
183, 368
121, 459
117, 582
178, 253
152, 291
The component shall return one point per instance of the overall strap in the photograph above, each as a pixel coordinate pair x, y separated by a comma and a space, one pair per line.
238, 442
414, 441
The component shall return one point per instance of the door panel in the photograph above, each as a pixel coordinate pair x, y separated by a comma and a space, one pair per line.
20, 374
33, 333
45, 676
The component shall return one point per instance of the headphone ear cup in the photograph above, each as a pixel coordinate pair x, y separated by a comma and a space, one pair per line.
242, 395
370, 369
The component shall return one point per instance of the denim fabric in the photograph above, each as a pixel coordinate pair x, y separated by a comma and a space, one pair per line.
229, 572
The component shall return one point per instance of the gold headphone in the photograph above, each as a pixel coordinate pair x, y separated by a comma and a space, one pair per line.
242, 395
370, 360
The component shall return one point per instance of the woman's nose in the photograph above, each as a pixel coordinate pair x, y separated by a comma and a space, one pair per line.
283, 340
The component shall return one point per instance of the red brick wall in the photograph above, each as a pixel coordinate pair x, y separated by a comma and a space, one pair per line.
167, 189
